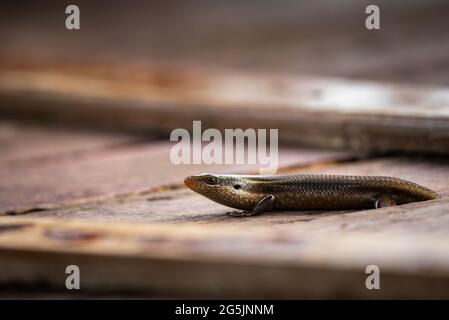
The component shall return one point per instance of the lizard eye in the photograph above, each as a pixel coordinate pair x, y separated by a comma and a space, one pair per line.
237, 186
211, 180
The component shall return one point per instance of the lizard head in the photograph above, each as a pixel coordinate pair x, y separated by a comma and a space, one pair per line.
229, 190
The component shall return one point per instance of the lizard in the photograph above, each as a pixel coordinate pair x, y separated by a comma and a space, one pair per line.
255, 194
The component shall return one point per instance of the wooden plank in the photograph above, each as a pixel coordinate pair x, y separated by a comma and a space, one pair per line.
185, 206
130, 169
25, 142
363, 116
181, 207
195, 261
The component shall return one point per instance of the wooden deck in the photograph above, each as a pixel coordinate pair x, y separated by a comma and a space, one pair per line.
86, 179
114, 205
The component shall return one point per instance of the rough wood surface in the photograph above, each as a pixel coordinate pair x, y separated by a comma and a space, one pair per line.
94, 166
185, 206
212, 262
180, 244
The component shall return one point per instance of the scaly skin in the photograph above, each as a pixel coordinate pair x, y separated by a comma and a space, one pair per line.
306, 192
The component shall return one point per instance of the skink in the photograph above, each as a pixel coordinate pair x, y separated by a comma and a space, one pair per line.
257, 194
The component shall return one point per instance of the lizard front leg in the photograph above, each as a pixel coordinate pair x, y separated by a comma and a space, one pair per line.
266, 204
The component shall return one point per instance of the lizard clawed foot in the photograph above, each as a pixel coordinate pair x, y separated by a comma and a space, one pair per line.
265, 204
240, 214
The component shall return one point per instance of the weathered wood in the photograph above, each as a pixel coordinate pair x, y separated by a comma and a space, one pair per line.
24, 142
128, 169
212, 262
185, 206
181, 244
369, 117
284, 255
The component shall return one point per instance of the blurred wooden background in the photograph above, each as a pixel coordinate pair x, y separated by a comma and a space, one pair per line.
85, 176
312, 37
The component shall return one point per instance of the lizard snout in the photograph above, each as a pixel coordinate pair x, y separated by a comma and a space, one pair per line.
188, 181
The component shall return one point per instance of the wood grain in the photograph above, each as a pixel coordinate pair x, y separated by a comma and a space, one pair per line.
212, 262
